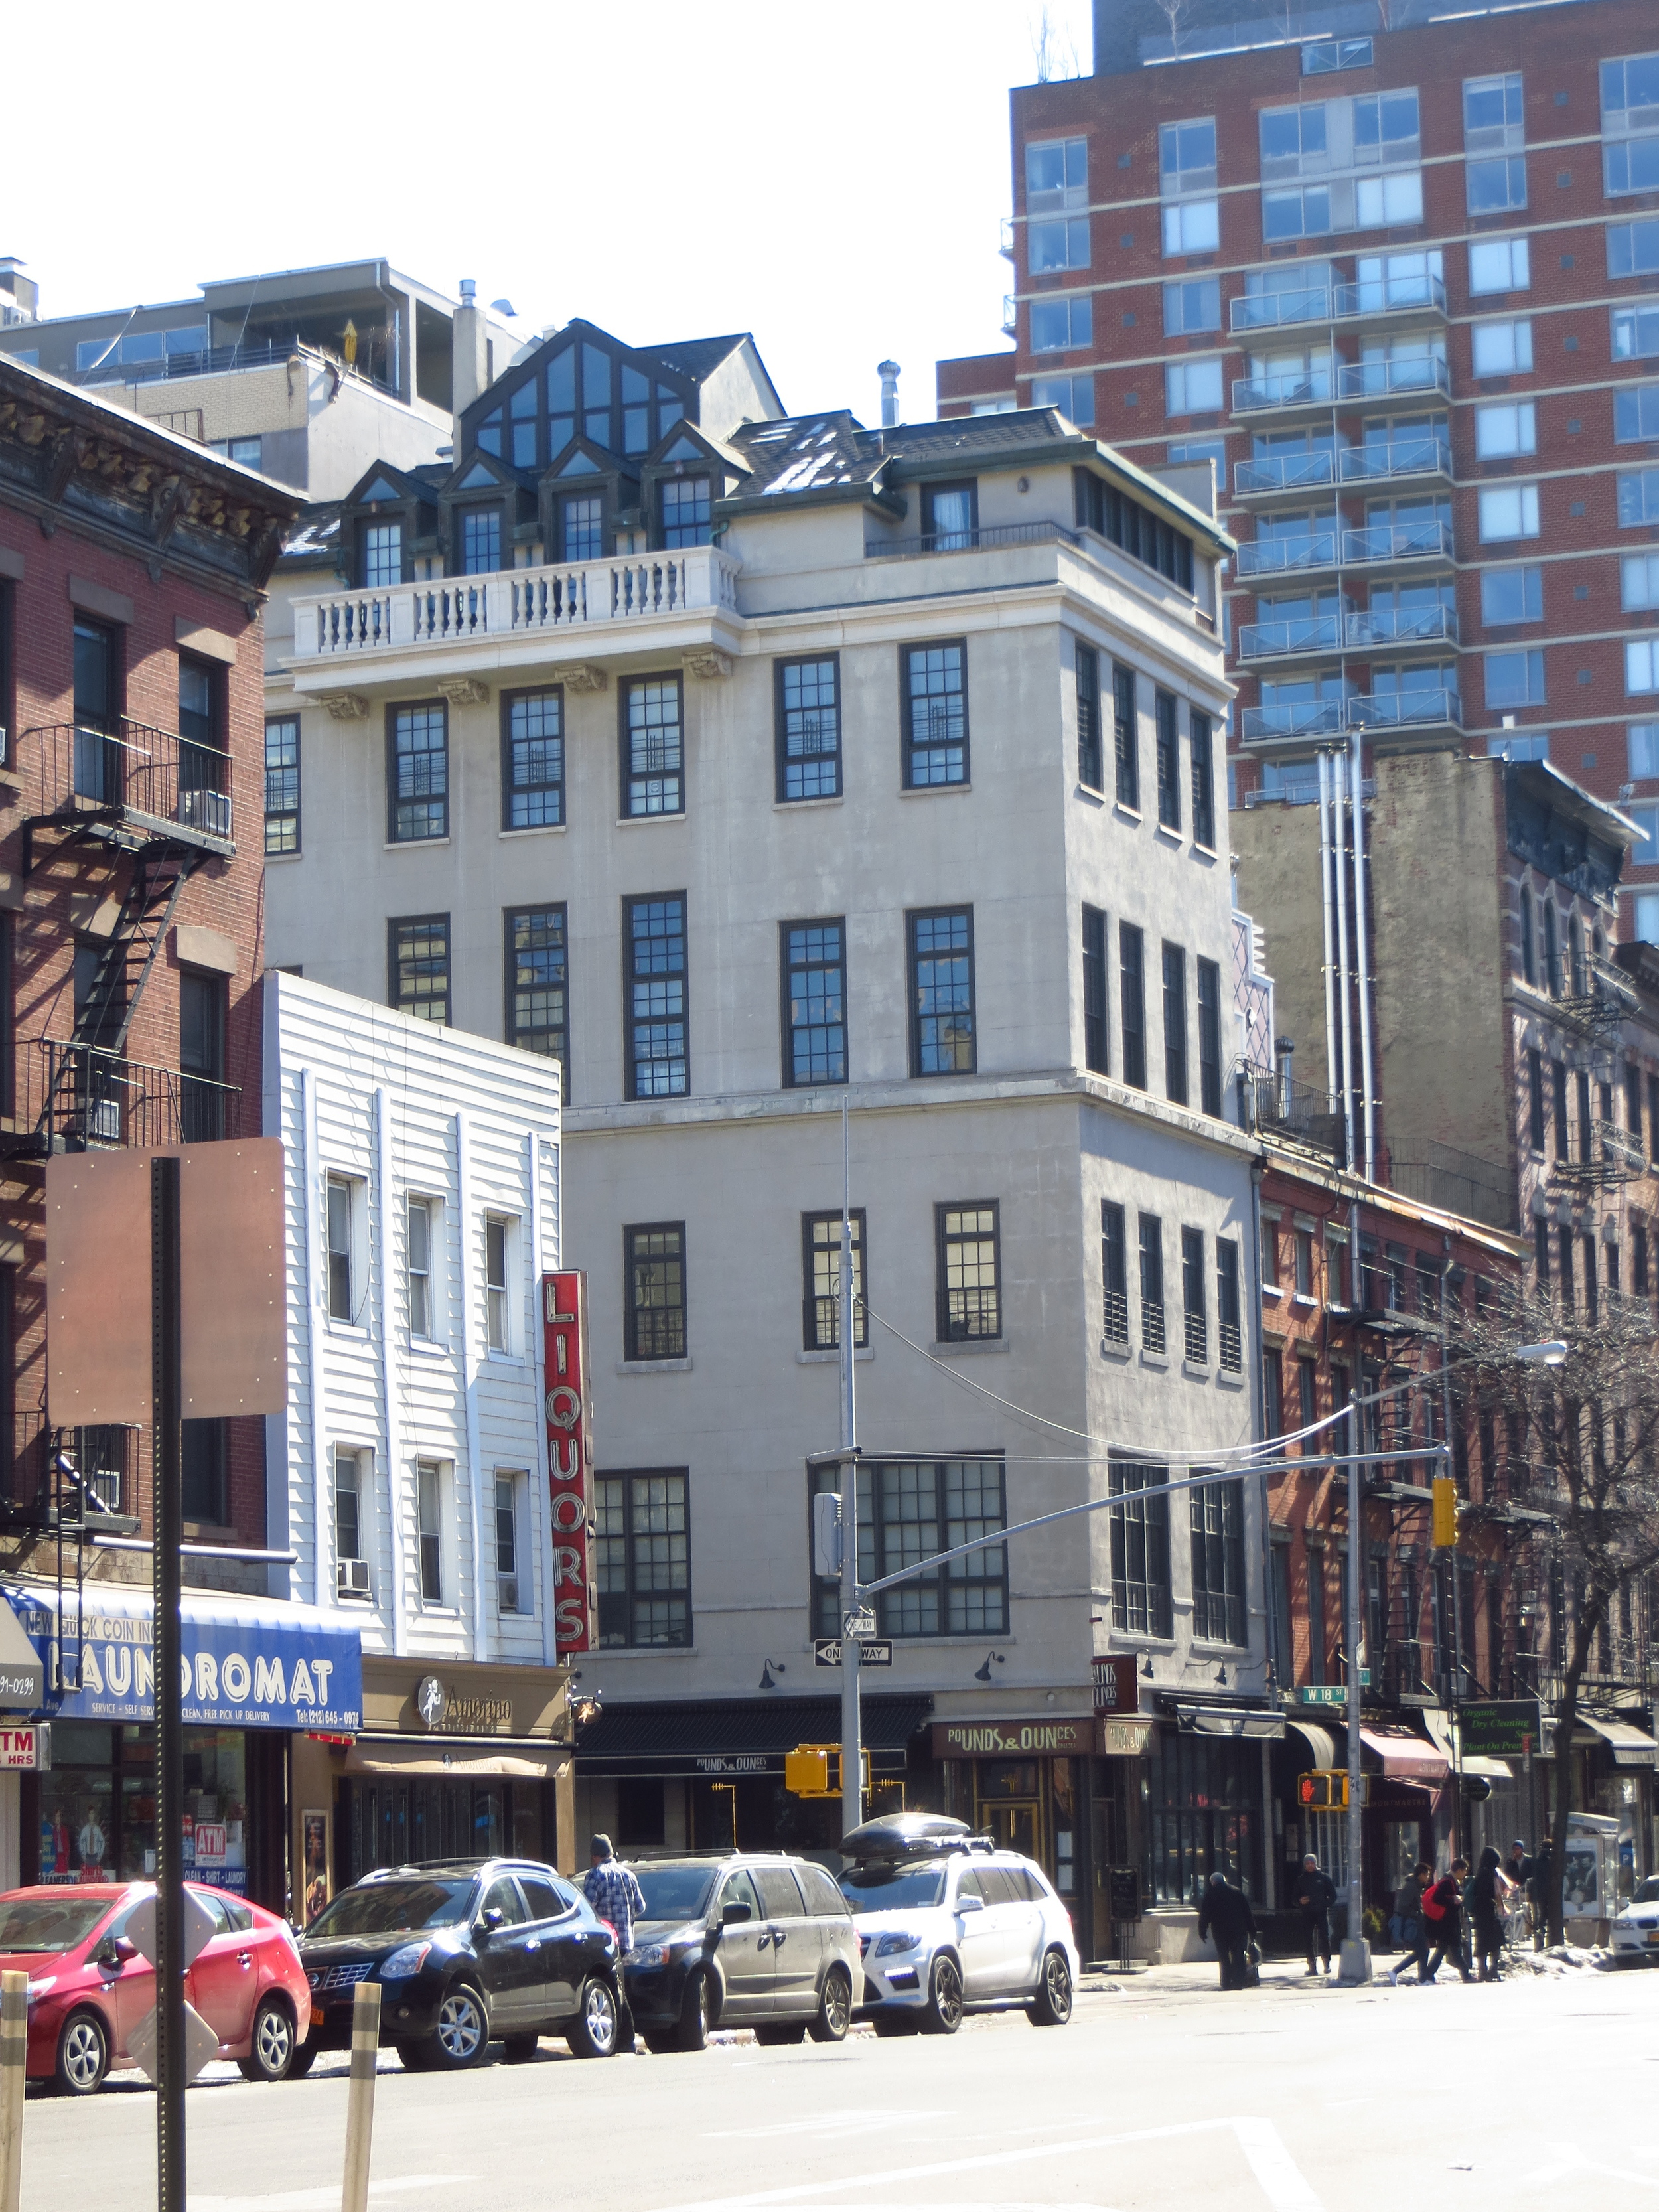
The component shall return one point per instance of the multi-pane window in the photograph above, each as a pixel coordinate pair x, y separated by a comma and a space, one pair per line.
1502, 349
498, 1306
1633, 248
1218, 1525
654, 1323
348, 1532
1629, 123
1508, 510
686, 512
282, 784
429, 1526
1151, 1283
532, 784
481, 540
507, 1587
338, 1195
417, 1222
1504, 429
1635, 332
942, 992
1229, 1331
659, 1043
1061, 242
642, 1558
582, 528
1635, 414
1074, 396
1114, 1273
417, 955
907, 1511
1194, 1301
1209, 1038
1097, 1054
1125, 747
653, 755
537, 1014
1175, 1025
383, 555
418, 773
1499, 264
821, 1268
1494, 132
1132, 1003
1141, 1596
1192, 306
969, 1257
1059, 325
1272, 1394
1637, 491
1090, 768
1168, 761
1511, 595
1638, 587
1186, 186
1515, 679
1056, 175
935, 714
809, 729
1192, 388
1203, 778
814, 1002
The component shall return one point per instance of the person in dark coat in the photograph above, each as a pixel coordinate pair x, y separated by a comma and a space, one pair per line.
1488, 1893
1315, 1893
1538, 1893
1408, 1912
1225, 1912
1445, 1928
1515, 1867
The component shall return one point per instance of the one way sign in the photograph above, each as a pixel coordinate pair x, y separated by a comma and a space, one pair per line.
873, 1651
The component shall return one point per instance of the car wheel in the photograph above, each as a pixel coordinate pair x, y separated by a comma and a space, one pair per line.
788, 2031
656, 2045
273, 2046
463, 2030
1052, 2007
416, 2057
596, 2028
82, 2054
942, 2013
518, 2048
306, 2055
694, 2014
890, 2026
835, 2012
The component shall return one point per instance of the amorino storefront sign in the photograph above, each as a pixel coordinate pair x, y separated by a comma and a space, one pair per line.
246, 1663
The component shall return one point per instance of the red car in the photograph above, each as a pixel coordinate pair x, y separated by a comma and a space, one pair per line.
90, 1985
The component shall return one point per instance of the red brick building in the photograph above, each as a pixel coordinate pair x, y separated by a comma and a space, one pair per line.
1401, 287
132, 566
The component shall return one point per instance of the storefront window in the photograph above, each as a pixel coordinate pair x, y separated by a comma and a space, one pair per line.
1202, 1803
98, 1806
388, 1822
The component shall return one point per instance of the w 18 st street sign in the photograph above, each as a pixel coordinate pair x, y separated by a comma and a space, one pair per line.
873, 1651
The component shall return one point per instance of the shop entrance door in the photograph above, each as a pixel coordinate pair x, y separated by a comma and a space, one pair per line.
1015, 1825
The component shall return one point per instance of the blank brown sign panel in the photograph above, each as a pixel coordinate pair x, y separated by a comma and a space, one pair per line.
232, 1282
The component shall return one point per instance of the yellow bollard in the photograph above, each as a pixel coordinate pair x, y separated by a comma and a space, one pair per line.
14, 2061
360, 2110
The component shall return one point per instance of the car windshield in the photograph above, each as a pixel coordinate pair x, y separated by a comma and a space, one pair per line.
49, 1924
387, 1908
676, 1892
1647, 1892
892, 1888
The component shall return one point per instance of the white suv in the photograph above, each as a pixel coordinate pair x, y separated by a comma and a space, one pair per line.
948, 1924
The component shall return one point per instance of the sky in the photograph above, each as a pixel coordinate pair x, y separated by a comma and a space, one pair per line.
829, 178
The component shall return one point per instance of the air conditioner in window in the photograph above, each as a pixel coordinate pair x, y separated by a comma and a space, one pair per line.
104, 1483
351, 1580
104, 1121
208, 810
506, 1593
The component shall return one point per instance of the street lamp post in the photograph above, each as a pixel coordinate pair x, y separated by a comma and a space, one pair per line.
852, 1751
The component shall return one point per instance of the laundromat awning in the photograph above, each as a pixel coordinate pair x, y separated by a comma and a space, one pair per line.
1407, 1757
1222, 1720
1628, 1744
724, 1738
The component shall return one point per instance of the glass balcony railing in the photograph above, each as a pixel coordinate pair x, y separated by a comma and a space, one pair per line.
1269, 472
1389, 294
1299, 717
1394, 541
1392, 626
1403, 457
1272, 311
1377, 379
1405, 709
1379, 712
1286, 557
1303, 388
1266, 640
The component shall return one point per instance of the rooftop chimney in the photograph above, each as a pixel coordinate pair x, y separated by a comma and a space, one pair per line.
888, 371
470, 349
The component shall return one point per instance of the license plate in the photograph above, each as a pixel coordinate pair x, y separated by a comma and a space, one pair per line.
1653, 1936
318, 2015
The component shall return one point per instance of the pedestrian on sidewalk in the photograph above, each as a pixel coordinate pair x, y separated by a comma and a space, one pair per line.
1315, 1893
610, 1889
1442, 1909
1225, 1912
1515, 1867
1538, 1893
1488, 1893
1414, 1935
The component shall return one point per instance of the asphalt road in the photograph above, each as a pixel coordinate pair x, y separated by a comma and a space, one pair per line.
1162, 2093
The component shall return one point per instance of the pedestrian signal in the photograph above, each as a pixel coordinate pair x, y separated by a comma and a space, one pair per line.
1444, 1534
1325, 1790
806, 1771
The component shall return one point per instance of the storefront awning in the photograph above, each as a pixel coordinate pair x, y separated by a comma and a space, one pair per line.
1320, 1742
1230, 1721
1630, 1746
724, 1738
1494, 1770
1407, 1757
246, 1662
456, 1762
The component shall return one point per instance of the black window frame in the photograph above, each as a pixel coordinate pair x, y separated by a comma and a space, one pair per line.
478, 510
438, 923
974, 1589
515, 1031
1229, 1309
1114, 1273
1150, 1245
679, 537
1143, 1603
205, 1452
1217, 1517
365, 522
1097, 995
1209, 1038
284, 819
1563, 1125
437, 795
633, 779
1167, 743
568, 492
1194, 1297
949, 746
1537, 1113
203, 1024
1126, 737
914, 919
931, 532
666, 1339
633, 1022
677, 1590
209, 735
821, 1309
1090, 753
1200, 760
1132, 1003
7, 670
792, 1031
1176, 1070
947, 1329
790, 722
513, 788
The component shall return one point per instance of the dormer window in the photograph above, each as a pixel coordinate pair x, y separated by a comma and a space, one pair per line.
481, 540
383, 555
521, 421
687, 511
582, 527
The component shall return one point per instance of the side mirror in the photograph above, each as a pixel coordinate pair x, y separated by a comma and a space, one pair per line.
125, 1950
733, 1912
971, 1903
488, 1920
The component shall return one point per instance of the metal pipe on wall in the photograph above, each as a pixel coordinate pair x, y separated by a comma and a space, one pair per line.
1361, 954
1338, 780
1326, 846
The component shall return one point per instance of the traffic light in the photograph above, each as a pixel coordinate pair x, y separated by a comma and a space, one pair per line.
1444, 1535
806, 1771
1324, 1791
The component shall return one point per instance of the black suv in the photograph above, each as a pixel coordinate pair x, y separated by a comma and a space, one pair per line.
744, 1941
467, 1952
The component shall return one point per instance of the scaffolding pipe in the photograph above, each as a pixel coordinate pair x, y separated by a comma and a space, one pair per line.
1326, 845
1362, 955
